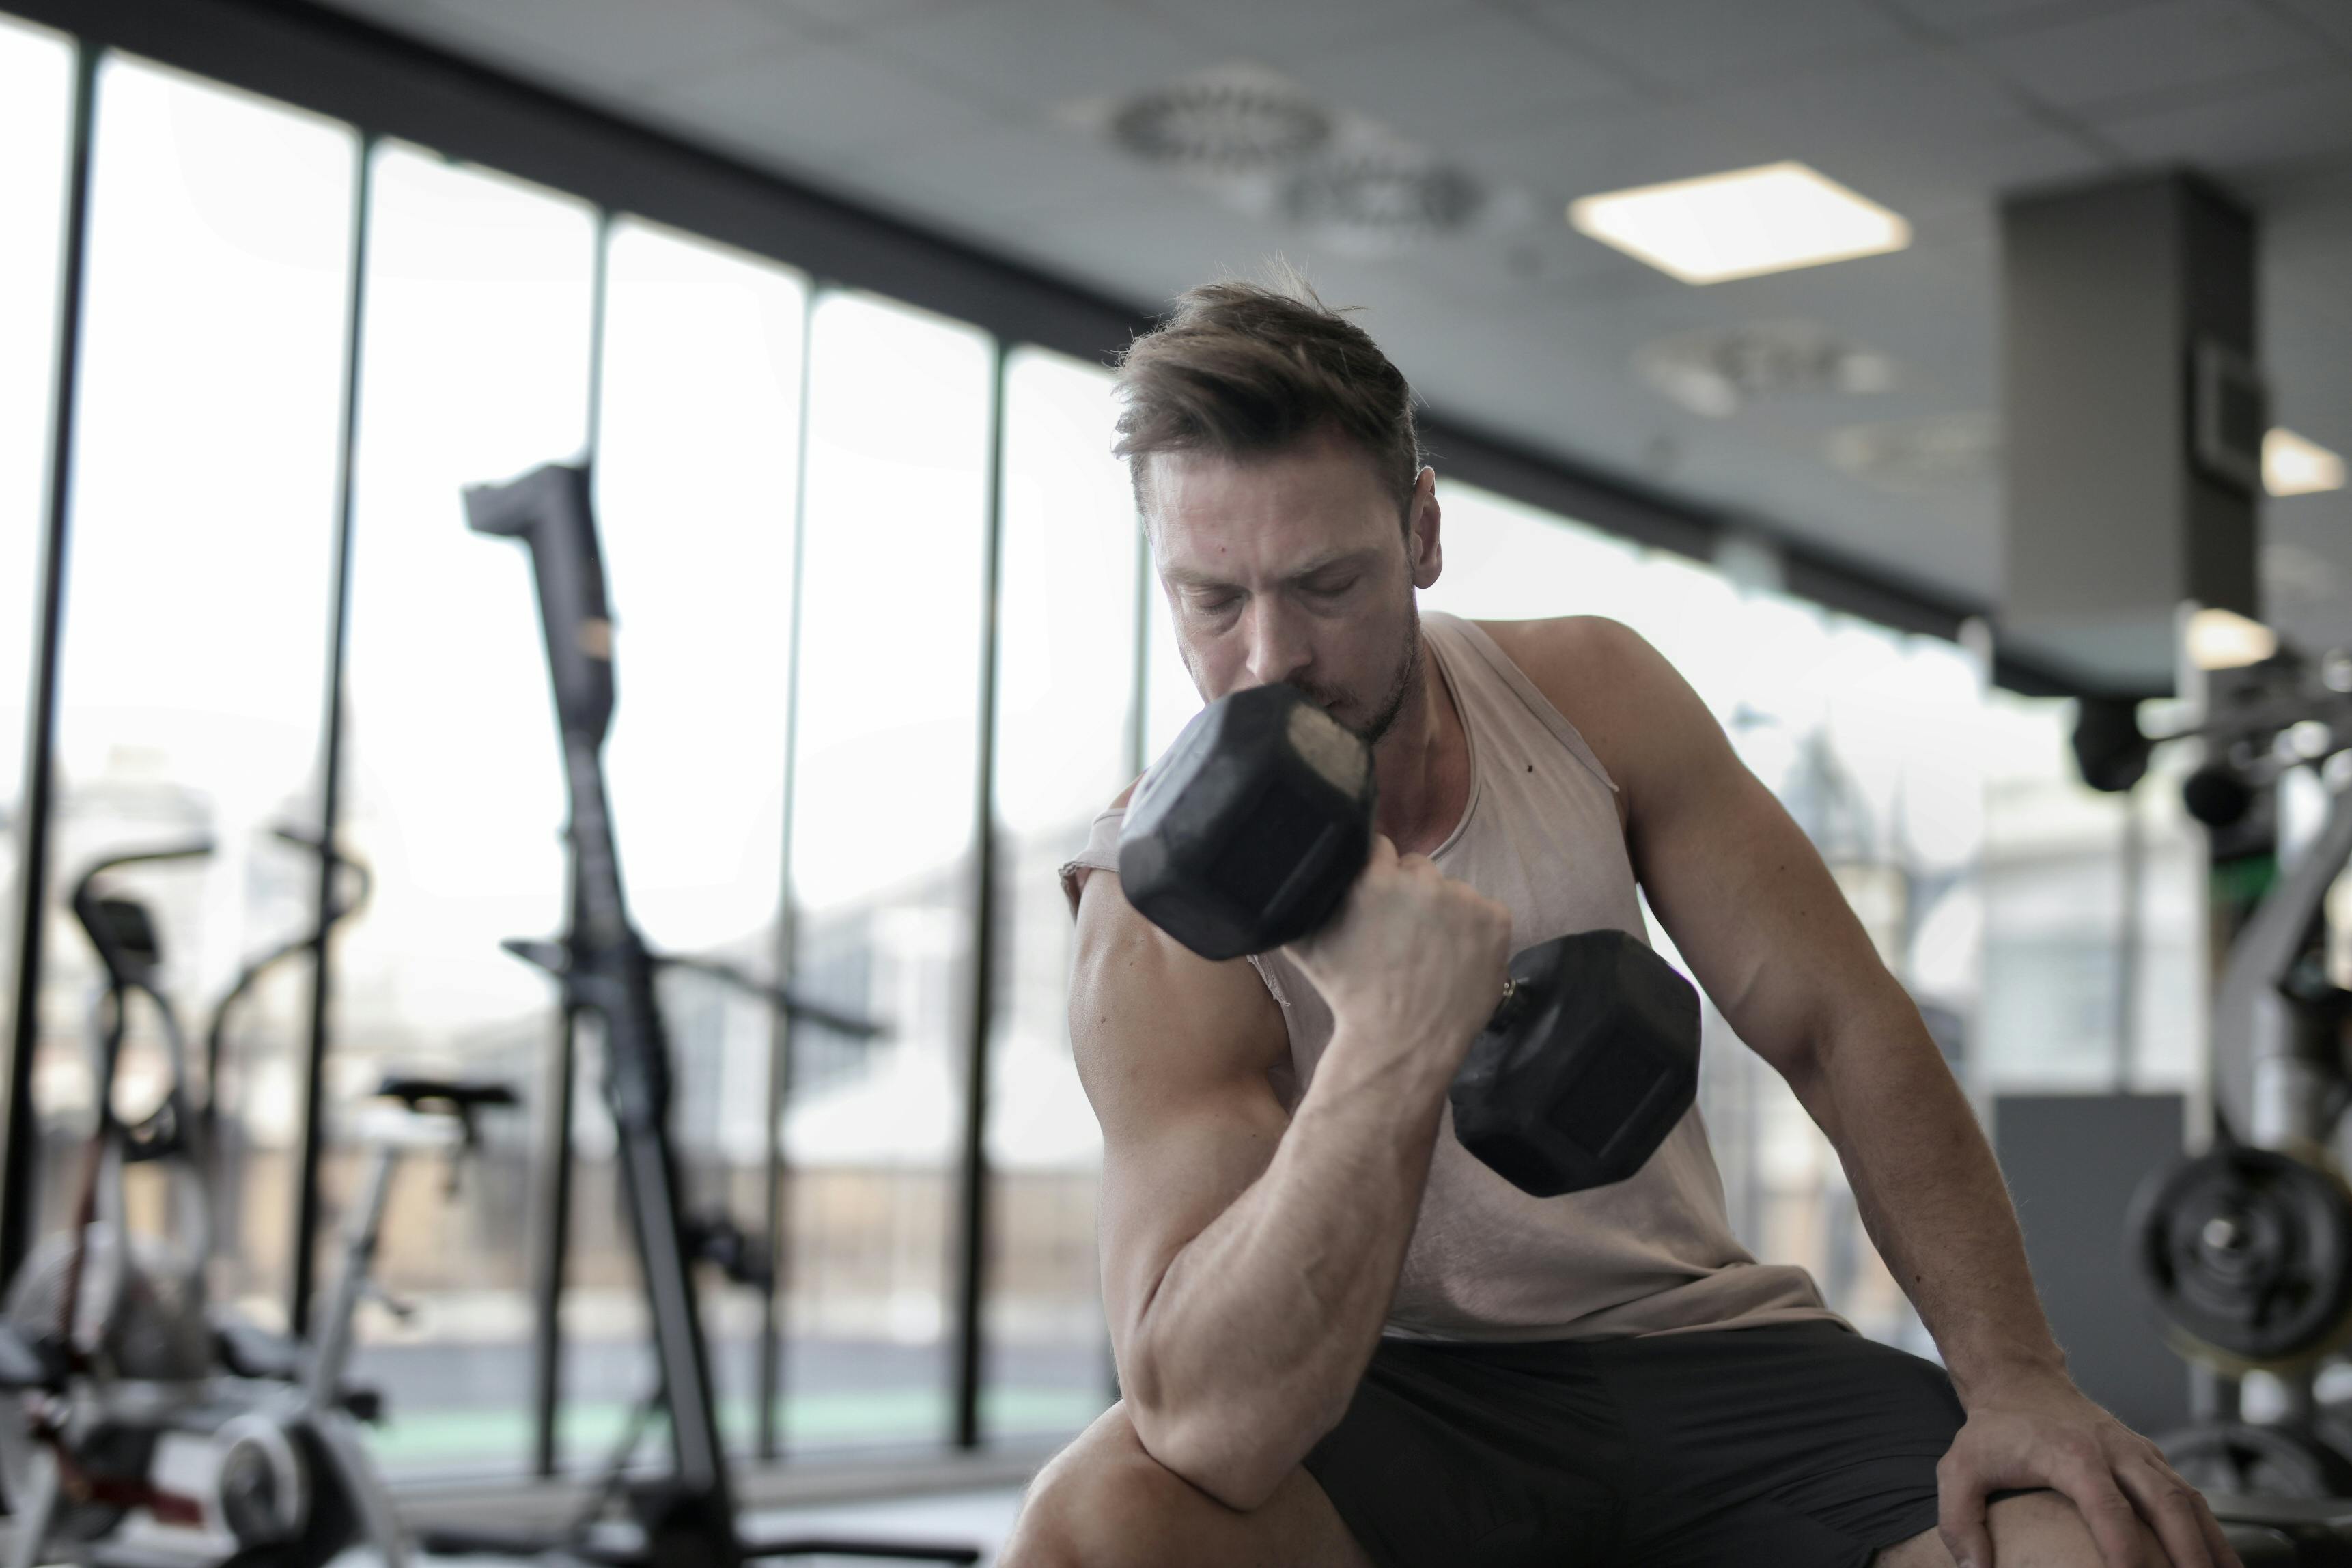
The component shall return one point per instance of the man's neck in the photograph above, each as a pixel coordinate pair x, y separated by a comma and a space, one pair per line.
1422, 765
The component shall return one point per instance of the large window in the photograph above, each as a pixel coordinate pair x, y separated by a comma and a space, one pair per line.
696, 459
36, 114
195, 650
474, 366
893, 549
1066, 742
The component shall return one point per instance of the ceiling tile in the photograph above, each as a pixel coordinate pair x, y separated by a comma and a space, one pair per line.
1291, 33
812, 101
846, 18
1914, 95
2330, 19
2271, 124
2157, 49
1445, 81
1690, 43
1608, 148
1000, 172
609, 43
1030, 54
1962, 17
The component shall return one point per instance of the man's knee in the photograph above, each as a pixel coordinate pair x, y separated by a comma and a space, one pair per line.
1102, 1502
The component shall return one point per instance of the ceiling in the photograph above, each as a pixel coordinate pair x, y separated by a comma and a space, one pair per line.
981, 119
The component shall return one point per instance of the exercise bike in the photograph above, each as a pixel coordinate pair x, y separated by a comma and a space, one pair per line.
111, 1364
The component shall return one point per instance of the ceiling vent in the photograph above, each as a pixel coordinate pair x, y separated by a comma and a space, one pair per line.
1262, 145
1213, 126
1917, 457
1717, 373
1375, 201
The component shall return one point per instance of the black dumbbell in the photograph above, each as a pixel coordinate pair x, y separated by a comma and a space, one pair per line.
1247, 834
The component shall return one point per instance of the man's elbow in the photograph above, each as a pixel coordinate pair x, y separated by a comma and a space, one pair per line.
1239, 1454
1216, 1456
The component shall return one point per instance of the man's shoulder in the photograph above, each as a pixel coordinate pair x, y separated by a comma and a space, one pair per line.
1605, 679
1579, 661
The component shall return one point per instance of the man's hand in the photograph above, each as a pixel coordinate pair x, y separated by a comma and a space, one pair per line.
1415, 962
2044, 1433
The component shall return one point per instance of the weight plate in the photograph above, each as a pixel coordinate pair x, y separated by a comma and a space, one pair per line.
2248, 1253
2236, 1461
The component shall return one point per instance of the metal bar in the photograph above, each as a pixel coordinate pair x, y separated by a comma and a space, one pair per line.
2132, 857
550, 1194
551, 1202
302, 1267
971, 1170
778, 1175
20, 1134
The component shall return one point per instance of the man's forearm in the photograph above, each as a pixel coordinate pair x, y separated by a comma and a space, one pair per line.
1930, 1193
1255, 1337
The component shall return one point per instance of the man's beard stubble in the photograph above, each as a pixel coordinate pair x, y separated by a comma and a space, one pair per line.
1400, 689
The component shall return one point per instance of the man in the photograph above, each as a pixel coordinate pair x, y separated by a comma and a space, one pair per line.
1344, 1342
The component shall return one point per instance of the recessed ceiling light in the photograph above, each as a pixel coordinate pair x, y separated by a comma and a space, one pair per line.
1741, 224
2294, 464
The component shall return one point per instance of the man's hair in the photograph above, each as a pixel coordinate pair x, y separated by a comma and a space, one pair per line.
1243, 370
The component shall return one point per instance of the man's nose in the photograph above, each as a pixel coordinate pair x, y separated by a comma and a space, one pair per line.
1277, 645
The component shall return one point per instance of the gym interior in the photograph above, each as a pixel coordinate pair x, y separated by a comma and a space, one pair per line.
738, 374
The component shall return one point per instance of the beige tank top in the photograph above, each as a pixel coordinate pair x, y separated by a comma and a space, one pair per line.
1651, 1255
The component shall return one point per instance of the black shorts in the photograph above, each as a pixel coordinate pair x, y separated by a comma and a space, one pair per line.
1797, 1444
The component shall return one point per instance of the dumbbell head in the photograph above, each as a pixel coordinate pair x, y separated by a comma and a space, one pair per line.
1247, 833
1584, 1069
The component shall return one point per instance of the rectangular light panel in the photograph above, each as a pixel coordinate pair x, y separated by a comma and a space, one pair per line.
2296, 465
1741, 224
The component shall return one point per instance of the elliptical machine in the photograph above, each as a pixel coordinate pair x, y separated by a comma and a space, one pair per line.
107, 1350
602, 964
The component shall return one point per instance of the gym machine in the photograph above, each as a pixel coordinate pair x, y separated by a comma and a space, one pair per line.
2244, 1249
685, 1518
109, 1355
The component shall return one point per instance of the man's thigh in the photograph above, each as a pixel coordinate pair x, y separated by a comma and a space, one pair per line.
2038, 1530
1105, 1502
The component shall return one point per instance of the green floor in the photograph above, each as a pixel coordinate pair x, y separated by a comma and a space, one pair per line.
435, 1439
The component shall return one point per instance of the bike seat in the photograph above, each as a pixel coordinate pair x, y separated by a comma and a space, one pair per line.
252, 1352
448, 1096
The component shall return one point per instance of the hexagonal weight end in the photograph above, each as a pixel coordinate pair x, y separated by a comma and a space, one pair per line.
1248, 831
1585, 1069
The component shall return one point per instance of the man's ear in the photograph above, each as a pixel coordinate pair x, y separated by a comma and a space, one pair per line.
1421, 543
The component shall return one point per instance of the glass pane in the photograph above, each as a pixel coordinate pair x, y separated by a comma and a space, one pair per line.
473, 367
1066, 711
196, 617
893, 552
36, 114
695, 451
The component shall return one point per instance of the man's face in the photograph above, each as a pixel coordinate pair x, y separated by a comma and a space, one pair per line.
1295, 566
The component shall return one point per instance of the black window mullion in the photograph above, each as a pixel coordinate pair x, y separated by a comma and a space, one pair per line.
971, 1168
303, 1264
20, 1131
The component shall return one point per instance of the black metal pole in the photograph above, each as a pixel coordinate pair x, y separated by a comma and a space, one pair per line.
775, 1222
20, 1136
552, 1199
971, 1173
304, 1263
550, 1194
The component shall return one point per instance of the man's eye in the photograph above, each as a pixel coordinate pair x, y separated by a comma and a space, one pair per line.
1216, 605
1331, 590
